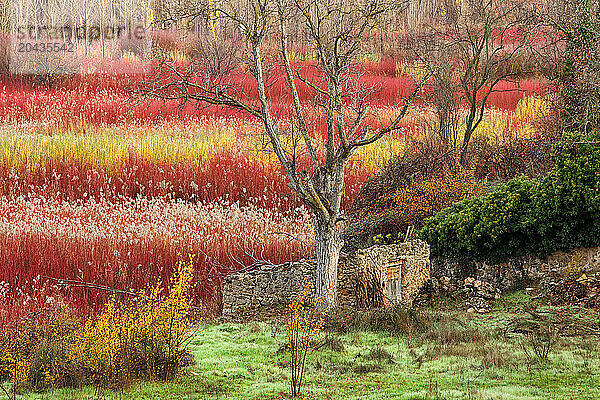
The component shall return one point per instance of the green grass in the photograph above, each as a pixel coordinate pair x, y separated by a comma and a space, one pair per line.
242, 361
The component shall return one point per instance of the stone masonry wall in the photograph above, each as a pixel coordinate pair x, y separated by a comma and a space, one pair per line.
519, 271
417, 270
270, 286
397, 271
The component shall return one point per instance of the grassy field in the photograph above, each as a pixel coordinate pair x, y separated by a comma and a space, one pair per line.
458, 356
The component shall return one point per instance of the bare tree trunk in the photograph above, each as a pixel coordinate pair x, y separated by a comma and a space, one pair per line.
473, 120
465, 145
328, 242
5, 30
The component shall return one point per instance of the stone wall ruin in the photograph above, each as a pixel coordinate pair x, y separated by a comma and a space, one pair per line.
372, 277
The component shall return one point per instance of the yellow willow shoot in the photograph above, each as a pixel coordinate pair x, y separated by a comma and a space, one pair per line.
194, 142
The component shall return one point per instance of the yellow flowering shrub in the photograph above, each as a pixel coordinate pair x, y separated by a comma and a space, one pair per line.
11, 368
32, 350
144, 338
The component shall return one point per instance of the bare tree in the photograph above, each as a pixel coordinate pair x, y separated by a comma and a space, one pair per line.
265, 32
4, 37
470, 55
577, 23
443, 87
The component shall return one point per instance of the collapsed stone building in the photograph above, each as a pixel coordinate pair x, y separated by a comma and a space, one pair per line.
370, 277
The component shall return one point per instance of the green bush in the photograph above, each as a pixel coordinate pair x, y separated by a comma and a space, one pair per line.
527, 216
567, 208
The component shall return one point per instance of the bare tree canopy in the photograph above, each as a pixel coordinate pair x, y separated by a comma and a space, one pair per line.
468, 55
257, 38
579, 77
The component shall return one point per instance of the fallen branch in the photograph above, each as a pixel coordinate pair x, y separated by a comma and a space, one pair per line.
88, 285
74, 283
8, 396
291, 236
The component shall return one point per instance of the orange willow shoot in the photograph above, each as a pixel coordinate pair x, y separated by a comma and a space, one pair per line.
304, 324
